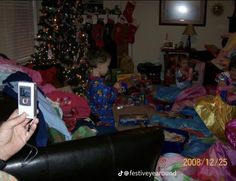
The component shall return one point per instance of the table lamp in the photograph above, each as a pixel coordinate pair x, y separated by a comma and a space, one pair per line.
190, 31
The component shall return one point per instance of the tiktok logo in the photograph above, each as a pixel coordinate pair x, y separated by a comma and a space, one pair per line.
120, 173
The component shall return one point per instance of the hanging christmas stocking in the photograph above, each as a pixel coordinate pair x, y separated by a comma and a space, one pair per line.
128, 11
132, 28
119, 31
107, 36
97, 34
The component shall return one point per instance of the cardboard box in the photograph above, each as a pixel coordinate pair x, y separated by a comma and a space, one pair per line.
122, 111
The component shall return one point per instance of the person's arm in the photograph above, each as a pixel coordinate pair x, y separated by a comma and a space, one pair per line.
109, 93
190, 74
14, 134
101, 96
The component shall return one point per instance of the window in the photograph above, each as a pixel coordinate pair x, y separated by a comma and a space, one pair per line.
17, 29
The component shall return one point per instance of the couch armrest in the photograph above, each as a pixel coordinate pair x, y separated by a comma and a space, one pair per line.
100, 157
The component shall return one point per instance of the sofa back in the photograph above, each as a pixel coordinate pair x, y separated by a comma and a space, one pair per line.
106, 157
100, 157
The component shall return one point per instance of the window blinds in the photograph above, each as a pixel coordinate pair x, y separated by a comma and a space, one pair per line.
17, 29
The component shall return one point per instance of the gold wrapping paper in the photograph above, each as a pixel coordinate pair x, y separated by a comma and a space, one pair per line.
231, 43
215, 113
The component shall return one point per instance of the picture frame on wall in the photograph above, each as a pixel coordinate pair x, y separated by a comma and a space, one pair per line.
176, 12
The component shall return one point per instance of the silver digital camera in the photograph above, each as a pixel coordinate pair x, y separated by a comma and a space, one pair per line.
27, 99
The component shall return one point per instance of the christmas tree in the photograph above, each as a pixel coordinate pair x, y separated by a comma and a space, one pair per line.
63, 40
76, 74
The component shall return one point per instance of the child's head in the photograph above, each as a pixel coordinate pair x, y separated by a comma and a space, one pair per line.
172, 59
99, 60
183, 61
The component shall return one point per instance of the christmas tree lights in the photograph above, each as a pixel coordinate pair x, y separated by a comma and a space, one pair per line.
62, 40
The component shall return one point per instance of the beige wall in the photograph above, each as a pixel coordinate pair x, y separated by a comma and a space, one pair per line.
150, 35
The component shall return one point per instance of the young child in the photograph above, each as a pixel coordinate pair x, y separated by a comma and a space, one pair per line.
184, 73
216, 111
101, 96
183, 80
226, 87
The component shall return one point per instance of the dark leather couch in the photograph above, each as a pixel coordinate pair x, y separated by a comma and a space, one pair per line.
95, 158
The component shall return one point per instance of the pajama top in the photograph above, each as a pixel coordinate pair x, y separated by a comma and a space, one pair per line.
101, 98
224, 92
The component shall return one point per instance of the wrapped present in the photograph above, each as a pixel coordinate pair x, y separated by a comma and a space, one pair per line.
215, 113
129, 77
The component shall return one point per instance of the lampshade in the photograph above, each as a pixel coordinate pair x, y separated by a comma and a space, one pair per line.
189, 30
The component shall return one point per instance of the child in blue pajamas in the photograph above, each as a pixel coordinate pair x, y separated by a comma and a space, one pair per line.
101, 96
227, 83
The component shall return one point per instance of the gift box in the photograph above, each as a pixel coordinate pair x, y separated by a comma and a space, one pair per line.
133, 119
132, 77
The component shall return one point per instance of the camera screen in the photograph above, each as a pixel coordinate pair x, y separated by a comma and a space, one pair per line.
25, 96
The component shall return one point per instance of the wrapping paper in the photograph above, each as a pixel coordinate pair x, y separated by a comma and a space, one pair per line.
170, 167
167, 94
215, 113
188, 97
219, 164
230, 132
